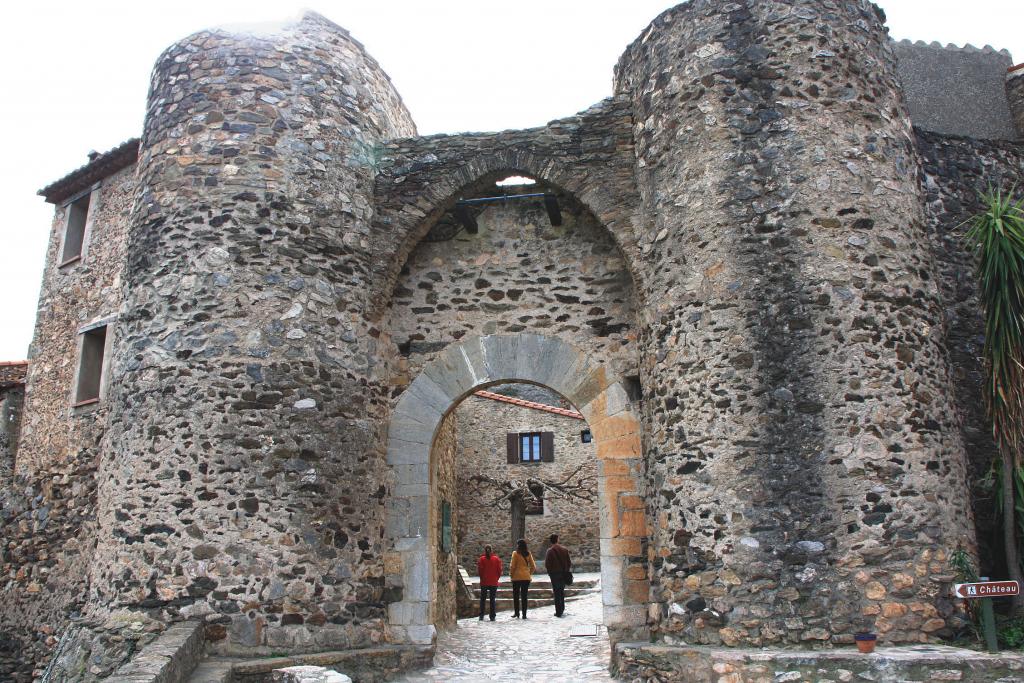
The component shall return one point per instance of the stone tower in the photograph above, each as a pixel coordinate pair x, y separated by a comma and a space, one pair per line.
798, 328
245, 377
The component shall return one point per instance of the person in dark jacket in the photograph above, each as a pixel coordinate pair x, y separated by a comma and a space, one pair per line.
488, 567
558, 564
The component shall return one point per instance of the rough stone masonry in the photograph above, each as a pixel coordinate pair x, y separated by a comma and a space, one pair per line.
757, 298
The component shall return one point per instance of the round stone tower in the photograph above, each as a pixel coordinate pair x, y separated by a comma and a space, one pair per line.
806, 471
248, 403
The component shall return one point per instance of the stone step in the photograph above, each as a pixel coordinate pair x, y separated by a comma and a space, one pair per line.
545, 584
507, 604
212, 671
540, 592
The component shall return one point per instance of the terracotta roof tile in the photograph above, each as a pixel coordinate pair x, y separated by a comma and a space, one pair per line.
98, 168
12, 373
529, 404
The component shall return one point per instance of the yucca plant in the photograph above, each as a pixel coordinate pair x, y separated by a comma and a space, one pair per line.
997, 237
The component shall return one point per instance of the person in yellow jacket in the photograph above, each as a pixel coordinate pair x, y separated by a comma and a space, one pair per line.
521, 571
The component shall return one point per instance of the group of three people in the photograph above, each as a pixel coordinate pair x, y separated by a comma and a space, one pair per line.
557, 564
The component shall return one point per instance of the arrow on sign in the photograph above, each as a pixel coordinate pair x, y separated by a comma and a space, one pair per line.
986, 589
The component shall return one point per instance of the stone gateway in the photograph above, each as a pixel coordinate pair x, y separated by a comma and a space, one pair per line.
744, 270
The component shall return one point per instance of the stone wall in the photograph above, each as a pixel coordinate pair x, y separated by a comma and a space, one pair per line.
956, 90
654, 664
803, 451
482, 426
245, 482
73, 296
446, 567
519, 273
47, 518
1015, 94
956, 171
589, 156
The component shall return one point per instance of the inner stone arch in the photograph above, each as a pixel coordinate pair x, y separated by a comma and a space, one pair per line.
598, 394
499, 264
432, 177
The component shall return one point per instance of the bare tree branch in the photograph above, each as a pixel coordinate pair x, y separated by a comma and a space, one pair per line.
493, 492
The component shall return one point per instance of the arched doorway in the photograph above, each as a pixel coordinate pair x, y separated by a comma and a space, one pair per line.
479, 362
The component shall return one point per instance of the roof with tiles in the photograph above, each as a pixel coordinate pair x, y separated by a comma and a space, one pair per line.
99, 167
12, 373
529, 404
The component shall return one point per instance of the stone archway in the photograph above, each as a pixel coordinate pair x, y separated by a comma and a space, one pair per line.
418, 179
483, 361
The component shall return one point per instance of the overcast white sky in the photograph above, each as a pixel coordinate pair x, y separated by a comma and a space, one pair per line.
75, 75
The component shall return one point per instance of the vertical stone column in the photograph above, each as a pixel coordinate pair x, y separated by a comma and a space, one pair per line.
248, 405
1015, 96
806, 471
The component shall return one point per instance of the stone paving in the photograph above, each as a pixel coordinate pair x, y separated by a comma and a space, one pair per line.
539, 649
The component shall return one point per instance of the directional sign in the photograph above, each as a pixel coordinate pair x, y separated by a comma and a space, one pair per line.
986, 589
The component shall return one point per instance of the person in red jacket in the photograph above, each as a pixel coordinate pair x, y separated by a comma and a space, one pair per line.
489, 569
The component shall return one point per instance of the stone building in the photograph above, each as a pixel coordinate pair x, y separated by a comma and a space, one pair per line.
483, 424
743, 268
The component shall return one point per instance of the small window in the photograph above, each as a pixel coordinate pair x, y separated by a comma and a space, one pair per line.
74, 230
586, 436
529, 447
523, 447
90, 366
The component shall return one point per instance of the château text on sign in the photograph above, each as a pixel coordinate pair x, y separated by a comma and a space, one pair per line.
986, 589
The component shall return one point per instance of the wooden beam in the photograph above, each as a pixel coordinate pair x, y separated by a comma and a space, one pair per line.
554, 212
467, 219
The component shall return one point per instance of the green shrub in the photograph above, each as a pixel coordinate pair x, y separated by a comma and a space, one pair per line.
1011, 633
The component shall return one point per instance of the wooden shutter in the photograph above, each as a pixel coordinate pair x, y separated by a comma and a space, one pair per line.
547, 446
511, 448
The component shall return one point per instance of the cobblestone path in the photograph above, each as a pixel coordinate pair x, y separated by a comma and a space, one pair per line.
539, 649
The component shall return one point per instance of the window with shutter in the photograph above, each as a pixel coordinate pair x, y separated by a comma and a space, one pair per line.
528, 447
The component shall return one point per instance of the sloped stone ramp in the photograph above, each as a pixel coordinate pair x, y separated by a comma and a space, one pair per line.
539, 650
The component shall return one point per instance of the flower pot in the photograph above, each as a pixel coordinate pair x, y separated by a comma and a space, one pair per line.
865, 642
